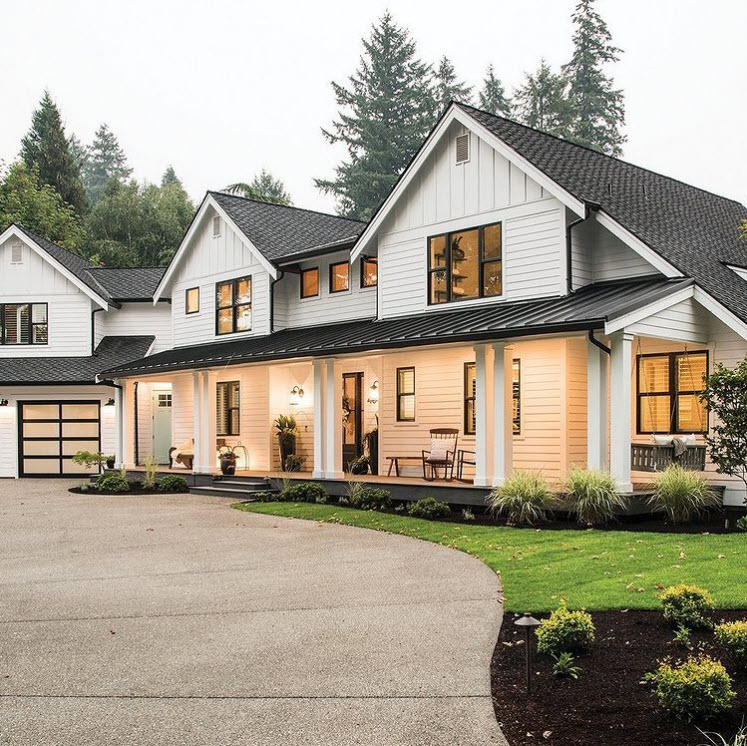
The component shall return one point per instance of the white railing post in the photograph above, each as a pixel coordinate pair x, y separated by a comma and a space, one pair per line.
483, 423
621, 404
197, 420
597, 398
332, 421
319, 405
503, 428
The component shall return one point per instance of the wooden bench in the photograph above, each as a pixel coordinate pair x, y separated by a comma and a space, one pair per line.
394, 463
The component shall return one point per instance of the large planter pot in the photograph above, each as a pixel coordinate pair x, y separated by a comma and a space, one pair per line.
359, 466
228, 464
287, 445
372, 442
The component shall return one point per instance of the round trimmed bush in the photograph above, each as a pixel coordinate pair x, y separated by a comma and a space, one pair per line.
698, 689
686, 606
733, 636
429, 508
565, 631
371, 498
305, 492
112, 483
524, 498
172, 483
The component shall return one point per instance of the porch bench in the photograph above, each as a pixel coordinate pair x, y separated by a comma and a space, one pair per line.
645, 457
394, 462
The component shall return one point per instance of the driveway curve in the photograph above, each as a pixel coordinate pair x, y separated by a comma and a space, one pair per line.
178, 620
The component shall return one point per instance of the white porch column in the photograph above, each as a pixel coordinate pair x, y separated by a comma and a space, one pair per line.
503, 429
119, 433
197, 419
621, 408
332, 421
210, 424
597, 398
319, 439
483, 423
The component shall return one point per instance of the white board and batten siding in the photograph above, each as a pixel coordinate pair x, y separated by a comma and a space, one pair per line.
214, 259
448, 196
137, 319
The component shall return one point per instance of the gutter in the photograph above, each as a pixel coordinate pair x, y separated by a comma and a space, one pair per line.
93, 330
589, 208
281, 274
603, 347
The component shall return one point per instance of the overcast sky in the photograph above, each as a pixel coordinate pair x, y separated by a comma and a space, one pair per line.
222, 89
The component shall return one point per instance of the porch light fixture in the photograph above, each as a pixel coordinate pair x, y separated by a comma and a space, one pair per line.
373, 393
109, 403
296, 395
528, 622
3, 402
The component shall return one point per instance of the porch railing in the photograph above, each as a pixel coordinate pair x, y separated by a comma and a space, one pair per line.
657, 458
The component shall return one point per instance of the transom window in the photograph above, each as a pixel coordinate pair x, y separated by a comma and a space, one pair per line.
24, 324
464, 265
369, 272
405, 394
228, 408
233, 301
470, 391
668, 392
339, 277
192, 300
310, 282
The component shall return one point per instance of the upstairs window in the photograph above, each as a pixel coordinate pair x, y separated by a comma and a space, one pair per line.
465, 265
310, 282
24, 324
192, 300
233, 301
369, 272
339, 277
228, 408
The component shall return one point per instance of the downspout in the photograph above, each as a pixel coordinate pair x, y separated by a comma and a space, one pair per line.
603, 347
93, 329
589, 207
272, 299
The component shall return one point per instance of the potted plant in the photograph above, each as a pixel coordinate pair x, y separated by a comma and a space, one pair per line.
372, 444
227, 460
360, 465
286, 430
110, 462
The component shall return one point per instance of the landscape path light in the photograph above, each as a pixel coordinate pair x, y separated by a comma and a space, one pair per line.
528, 622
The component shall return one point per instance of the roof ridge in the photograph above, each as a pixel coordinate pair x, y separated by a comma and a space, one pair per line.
290, 207
134, 266
597, 152
36, 237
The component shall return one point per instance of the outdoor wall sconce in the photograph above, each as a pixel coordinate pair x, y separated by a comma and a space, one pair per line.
373, 393
296, 395
3, 402
109, 403
528, 622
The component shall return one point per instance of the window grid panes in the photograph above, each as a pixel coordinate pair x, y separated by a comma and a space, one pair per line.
369, 272
228, 408
24, 324
310, 282
470, 392
405, 394
233, 300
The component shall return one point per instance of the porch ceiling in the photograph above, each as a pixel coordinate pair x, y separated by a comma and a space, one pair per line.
588, 308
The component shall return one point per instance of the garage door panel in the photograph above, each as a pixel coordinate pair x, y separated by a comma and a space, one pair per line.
41, 411
41, 448
70, 467
41, 466
71, 447
41, 429
80, 412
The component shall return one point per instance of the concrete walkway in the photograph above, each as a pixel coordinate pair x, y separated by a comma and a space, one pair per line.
178, 620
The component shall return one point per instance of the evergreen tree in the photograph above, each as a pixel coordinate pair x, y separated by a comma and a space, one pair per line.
170, 177
264, 188
105, 160
79, 152
448, 87
493, 96
541, 101
46, 151
385, 113
598, 108
37, 207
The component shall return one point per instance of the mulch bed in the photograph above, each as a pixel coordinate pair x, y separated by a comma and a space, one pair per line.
94, 491
607, 705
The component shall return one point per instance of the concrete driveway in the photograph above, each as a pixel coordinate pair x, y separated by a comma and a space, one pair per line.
178, 620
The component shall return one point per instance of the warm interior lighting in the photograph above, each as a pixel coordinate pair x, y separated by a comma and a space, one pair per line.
296, 395
373, 393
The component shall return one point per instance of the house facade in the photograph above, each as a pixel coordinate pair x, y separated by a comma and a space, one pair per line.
550, 305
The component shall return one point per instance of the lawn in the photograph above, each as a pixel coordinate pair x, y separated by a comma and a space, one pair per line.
596, 570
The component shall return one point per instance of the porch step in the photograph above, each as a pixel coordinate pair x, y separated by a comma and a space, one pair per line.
236, 488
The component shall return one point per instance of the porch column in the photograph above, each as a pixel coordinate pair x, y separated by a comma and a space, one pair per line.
197, 419
319, 445
483, 424
210, 423
332, 421
620, 408
503, 429
597, 398
119, 432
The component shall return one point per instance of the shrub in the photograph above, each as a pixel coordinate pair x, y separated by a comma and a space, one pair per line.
565, 666
682, 637
305, 492
151, 467
85, 487
698, 689
523, 498
89, 459
593, 496
429, 508
565, 631
136, 485
371, 498
733, 636
682, 494
266, 497
112, 483
467, 514
741, 523
172, 483
686, 605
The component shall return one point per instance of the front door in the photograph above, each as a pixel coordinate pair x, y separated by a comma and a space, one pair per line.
161, 426
352, 418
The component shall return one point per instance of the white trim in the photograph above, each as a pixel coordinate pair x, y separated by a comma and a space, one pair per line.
720, 311
208, 202
15, 231
651, 309
741, 271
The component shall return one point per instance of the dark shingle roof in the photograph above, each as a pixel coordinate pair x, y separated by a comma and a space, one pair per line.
111, 352
128, 283
283, 232
589, 308
694, 230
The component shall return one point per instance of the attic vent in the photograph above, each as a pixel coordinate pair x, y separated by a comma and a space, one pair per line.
216, 226
16, 253
462, 148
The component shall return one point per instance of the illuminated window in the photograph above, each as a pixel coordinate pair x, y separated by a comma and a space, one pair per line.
309, 282
233, 302
470, 420
405, 394
339, 277
24, 324
369, 272
192, 300
228, 401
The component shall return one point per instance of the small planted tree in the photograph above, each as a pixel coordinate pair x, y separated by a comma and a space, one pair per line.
725, 396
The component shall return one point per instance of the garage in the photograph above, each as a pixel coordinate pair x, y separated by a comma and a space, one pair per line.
50, 433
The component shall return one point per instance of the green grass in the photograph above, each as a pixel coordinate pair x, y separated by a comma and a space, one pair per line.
596, 570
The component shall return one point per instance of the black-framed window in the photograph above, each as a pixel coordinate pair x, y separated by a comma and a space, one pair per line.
470, 390
369, 272
24, 324
233, 306
465, 264
668, 389
192, 300
228, 408
339, 277
406, 394
310, 282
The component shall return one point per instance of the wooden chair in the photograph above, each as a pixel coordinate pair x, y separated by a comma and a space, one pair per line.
433, 462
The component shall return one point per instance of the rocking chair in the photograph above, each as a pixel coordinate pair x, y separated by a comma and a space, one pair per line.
442, 454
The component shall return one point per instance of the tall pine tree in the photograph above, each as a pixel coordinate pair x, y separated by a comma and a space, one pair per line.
493, 96
46, 150
598, 107
448, 87
541, 101
263, 188
105, 160
385, 113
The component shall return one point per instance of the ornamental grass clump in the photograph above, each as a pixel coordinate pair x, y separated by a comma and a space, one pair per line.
696, 690
524, 498
565, 631
687, 606
682, 494
733, 636
593, 496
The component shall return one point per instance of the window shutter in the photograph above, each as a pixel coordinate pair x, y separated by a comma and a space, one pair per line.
216, 226
462, 148
16, 253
